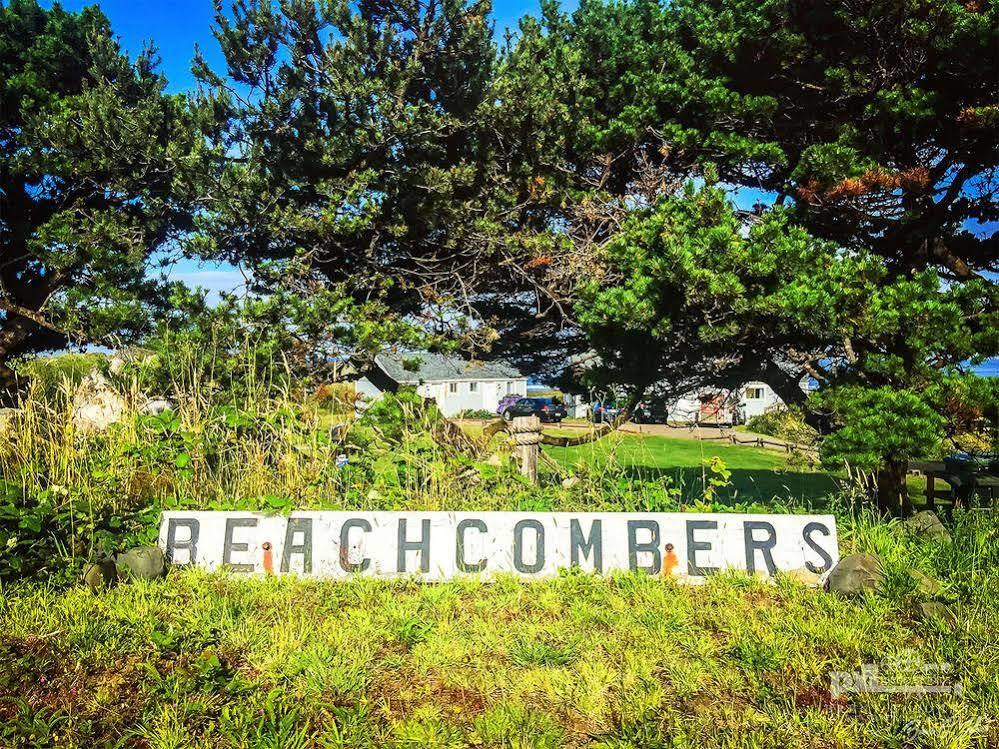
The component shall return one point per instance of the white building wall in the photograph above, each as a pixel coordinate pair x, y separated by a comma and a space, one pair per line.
456, 396
367, 392
755, 398
685, 410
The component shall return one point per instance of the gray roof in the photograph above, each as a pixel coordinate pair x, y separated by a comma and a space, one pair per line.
438, 368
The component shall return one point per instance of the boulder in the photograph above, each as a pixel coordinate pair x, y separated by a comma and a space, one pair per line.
804, 576
142, 563
926, 526
100, 575
925, 585
156, 406
571, 482
96, 405
927, 610
856, 574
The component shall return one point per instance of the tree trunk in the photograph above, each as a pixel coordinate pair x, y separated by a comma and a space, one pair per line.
20, 335
892, 491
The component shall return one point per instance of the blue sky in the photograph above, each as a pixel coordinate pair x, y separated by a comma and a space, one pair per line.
176, 26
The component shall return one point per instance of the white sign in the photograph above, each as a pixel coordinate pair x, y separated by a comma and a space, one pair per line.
442, 545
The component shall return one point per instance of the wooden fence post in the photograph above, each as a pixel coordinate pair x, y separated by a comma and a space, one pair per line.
526, 431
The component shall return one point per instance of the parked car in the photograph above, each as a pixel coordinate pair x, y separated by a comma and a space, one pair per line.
506, 401
544, 408
605, 412
649, 412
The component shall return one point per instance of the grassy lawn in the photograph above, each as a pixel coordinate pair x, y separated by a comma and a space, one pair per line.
624, 661
220, 661
756, 474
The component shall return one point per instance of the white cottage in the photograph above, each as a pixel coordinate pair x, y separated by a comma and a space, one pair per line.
729, 406
457, 385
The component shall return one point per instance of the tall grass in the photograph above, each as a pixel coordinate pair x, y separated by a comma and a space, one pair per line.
246, 438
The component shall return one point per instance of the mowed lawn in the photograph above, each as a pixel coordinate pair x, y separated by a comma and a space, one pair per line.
757, 474
202, 661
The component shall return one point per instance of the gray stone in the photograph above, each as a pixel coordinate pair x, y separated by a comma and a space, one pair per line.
100, 575
856, 574
804, 576
156, 406
926, 526
96, 405
570, 482
925, 585
142, 563
927, 610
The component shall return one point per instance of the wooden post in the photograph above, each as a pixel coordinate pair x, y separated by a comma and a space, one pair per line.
526, 431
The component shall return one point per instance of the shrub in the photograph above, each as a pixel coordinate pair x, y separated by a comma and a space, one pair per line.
784, 422
476, 413
50, 373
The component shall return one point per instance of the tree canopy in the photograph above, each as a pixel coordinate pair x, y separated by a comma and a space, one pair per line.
866, 134
96, 177
354, 136
563, 195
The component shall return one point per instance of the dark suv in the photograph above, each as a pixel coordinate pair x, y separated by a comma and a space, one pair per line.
649, 412
544, 408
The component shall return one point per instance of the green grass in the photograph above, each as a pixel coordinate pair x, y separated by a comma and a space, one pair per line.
219, 661
756, 474
215, 661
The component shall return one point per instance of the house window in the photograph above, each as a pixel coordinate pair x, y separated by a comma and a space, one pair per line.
754, 393
452, 387
473, 387
509, 388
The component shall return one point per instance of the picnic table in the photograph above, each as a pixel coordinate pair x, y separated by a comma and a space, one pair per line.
963, 486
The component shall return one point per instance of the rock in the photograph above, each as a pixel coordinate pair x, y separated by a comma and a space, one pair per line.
926, 526
927, 610
804, 576
495, 460
570, 482
96, 405
142, 563
131, 355
100, 575
856, 574
925, 585
156, 406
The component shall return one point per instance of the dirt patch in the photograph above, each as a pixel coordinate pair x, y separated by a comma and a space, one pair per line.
97, 704
401, 692
821, 698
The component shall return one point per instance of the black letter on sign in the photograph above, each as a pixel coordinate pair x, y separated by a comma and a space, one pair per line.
695, 546
766, 545
651, 546
580, 546
518, 546
806, 534
345, 563
422, 546
303, 526
190, 545
459, 554
229, 547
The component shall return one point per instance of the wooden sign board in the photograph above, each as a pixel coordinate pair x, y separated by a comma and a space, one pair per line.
436, 546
